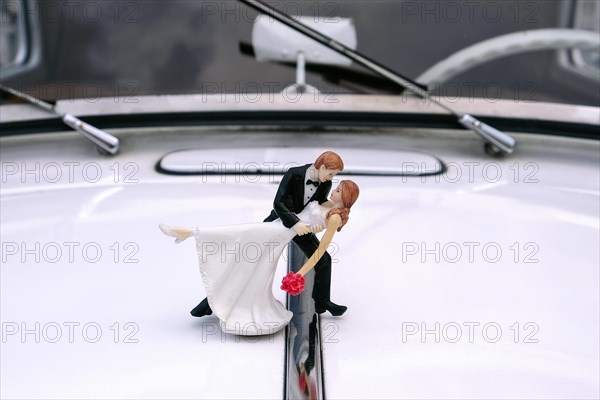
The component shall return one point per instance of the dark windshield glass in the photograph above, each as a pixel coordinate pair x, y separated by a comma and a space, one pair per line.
91, 49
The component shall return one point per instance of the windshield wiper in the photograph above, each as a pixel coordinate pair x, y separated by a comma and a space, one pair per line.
497, 142
104, 140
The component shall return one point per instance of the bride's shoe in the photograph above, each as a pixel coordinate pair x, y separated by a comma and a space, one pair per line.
167, 230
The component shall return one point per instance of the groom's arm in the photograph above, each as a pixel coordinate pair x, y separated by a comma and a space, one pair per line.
288, 218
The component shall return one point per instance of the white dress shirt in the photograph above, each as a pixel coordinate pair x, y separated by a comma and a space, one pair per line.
309, 190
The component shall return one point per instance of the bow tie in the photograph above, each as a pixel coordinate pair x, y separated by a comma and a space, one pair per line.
309, 182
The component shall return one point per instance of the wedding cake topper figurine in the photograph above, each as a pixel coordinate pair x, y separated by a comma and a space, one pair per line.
239, 283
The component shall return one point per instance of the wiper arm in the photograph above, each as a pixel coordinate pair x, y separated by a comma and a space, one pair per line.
104, 140
499, 142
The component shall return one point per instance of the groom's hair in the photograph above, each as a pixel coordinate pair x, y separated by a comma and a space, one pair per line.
331, 161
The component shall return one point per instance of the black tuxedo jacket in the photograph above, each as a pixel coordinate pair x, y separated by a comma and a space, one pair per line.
289, 199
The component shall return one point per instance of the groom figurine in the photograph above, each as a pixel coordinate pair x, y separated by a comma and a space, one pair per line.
298, 187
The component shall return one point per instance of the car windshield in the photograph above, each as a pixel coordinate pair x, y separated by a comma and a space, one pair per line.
96, 49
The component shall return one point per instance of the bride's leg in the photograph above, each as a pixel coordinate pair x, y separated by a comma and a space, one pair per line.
179, 233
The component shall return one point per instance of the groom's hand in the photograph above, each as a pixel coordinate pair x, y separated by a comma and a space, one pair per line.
316, 228
301, 228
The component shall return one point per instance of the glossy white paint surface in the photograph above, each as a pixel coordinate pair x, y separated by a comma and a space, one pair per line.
546, 200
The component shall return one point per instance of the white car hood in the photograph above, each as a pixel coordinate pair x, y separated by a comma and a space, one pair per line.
396, 267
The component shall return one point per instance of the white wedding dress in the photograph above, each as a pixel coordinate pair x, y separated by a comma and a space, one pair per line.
238, 263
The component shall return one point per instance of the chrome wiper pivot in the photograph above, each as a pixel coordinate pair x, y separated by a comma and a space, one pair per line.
106, 142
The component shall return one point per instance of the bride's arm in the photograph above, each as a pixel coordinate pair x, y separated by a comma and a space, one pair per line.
333, 223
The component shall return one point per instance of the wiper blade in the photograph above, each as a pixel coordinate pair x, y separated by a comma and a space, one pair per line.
499, 142
104, 140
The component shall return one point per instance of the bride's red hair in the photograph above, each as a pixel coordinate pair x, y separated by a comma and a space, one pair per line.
350, 193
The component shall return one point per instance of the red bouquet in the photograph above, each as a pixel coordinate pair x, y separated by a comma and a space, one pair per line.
293, 283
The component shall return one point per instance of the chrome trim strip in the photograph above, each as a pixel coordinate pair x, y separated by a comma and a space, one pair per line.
303, 355
352, 103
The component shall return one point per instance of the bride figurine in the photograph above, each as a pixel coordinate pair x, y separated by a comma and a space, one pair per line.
238, 262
